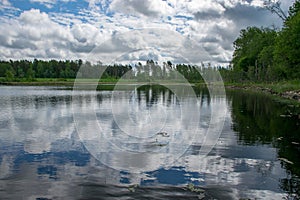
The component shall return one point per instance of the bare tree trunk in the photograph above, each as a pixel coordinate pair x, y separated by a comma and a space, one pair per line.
274, 7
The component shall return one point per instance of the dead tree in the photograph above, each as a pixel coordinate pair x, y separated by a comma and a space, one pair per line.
274, 6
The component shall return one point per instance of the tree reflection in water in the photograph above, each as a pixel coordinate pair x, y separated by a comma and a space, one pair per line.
260, 120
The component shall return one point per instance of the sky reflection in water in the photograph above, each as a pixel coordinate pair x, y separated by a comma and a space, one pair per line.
41, 155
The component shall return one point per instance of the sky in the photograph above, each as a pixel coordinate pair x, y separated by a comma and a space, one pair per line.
136, 30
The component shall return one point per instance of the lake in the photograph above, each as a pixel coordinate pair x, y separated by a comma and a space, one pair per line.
146, 142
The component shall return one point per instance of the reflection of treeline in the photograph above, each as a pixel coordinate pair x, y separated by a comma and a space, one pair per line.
152, 93
171, 94
24, 70
264, 54
259, 120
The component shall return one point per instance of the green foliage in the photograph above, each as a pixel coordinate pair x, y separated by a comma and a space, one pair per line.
4, 66
254, 52
192, 73
29, 70
266, 55
294, 9
9, 75
35, 70
30, 74
287, 49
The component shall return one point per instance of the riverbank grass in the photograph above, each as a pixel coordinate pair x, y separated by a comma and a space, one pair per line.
276, 87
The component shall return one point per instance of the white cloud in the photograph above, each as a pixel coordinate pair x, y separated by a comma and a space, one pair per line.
5, 3
43, 1
94, 4
145, 8
84, 32
47, 3
6, 9
205, 6
257, 3
34, 34
158, 42
212, 24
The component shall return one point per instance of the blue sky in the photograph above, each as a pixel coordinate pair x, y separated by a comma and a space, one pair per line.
69, 29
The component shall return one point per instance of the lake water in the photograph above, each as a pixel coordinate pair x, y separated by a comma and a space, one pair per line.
146, 143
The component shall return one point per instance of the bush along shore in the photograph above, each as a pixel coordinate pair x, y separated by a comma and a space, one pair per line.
287, 90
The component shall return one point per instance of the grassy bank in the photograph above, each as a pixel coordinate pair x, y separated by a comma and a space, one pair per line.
285, 89
278, 87
53, 81
70, 82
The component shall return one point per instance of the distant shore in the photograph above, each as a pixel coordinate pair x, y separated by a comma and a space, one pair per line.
70, 82
287, 90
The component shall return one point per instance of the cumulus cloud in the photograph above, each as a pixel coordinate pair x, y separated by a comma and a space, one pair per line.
143, 44
194, 6
213, 25
138, 7
34, 34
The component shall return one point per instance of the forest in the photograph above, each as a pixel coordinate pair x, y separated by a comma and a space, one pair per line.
261, 55
267, 55
24, 71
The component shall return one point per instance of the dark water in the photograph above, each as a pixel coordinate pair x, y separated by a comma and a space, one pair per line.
50, 147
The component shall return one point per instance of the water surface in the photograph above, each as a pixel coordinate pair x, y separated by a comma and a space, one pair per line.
45, 155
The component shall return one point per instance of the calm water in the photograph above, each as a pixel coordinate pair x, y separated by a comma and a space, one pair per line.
64, 144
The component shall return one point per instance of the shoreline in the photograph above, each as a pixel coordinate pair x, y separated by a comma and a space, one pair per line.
285, 94
281, 90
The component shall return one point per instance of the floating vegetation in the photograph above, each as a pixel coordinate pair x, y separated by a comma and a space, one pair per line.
284, 116
163, 134
201, 196
194, 188
132, 188
156, 143
286, 160
280, 138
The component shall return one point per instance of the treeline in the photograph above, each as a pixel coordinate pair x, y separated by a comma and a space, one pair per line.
267, 55
169, 71
29, 70
24, 70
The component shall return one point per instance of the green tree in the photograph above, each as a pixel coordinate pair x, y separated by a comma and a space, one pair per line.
40, 70
254, 52
9, 75
287, 47
246, 50
294, 9
30, 73
4, 66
